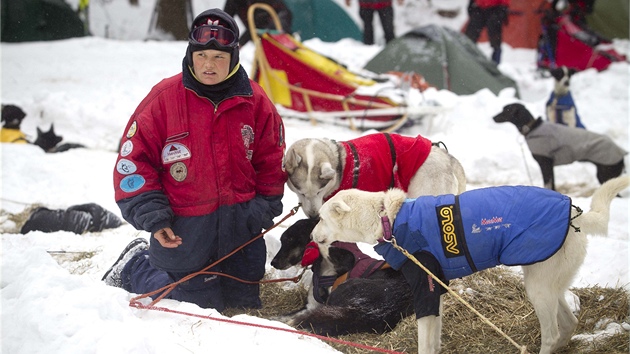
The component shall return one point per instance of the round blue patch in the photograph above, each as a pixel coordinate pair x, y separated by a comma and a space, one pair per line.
131, 183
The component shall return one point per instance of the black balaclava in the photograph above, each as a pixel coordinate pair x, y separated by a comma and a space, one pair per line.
226, 21
214, 92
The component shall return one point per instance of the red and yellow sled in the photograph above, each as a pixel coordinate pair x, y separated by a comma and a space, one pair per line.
311, 86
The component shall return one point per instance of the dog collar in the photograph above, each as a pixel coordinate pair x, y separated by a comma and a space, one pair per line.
387, 228
527, 128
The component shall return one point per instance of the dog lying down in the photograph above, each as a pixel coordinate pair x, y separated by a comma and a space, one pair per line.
350, 292
454, 236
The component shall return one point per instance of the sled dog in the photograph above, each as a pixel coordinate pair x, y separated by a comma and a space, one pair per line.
560, 106
555, 145
319, 168
350, 292
454, 236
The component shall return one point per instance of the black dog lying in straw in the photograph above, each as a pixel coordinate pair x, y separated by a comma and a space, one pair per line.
351, 292
554, 145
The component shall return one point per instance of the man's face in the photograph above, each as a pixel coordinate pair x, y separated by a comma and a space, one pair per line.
211, 66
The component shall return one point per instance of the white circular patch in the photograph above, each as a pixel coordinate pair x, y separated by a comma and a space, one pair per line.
126, 148
126, 167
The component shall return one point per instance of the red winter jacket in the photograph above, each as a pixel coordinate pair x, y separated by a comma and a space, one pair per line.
201, 156
375, 4
491, 3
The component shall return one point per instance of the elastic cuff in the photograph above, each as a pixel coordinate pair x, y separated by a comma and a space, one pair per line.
159, 226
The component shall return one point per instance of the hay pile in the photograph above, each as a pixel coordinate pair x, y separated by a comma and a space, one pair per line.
498, 294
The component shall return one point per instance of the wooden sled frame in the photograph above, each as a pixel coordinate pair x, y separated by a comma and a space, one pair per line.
369, 108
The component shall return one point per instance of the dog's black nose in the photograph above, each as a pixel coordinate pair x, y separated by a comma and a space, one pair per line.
501, 117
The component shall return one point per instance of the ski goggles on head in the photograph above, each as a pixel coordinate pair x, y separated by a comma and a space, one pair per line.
204, 35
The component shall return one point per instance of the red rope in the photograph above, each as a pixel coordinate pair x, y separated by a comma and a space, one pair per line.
134, 302
168, 288
141, 306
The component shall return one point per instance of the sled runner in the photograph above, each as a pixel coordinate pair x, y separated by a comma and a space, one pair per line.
310, 86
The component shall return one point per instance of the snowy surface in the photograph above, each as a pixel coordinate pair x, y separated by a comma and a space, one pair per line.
88, 87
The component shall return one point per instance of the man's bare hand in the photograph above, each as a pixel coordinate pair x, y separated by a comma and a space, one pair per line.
167, 238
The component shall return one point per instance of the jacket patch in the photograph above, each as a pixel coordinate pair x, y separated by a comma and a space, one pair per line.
126, 148
131, 183
175, 152
125, 167
449, 233
248, 139
132, 130
179, 171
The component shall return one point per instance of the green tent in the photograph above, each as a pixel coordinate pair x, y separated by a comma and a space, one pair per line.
610, 18
445, 58
39, 20
322, 19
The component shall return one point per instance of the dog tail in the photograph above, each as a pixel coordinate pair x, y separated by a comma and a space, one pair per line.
595, 222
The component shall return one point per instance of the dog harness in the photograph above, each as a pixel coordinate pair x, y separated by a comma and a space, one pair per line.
364, 266
482, 228
377, 162
563, 104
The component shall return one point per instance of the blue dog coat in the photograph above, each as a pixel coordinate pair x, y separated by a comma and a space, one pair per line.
564, 104
482, 228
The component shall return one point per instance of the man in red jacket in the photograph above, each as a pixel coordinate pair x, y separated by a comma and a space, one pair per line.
385, 13
200, 168
490, 14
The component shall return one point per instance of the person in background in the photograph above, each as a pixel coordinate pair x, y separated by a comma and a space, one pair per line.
492, 15
261, 18
385, 13
200, 168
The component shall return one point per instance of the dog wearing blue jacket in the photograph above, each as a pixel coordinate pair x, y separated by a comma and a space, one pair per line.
561, 108
456, 235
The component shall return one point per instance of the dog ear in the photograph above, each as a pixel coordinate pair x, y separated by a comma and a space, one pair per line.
572, 71
339, 207
327, 171
291, 161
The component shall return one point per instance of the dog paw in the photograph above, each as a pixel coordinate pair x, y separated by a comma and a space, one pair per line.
284, 319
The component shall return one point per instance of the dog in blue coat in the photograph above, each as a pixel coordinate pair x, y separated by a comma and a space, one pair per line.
561, 108
457, 235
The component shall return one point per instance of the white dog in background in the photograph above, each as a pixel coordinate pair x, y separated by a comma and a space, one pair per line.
458, 235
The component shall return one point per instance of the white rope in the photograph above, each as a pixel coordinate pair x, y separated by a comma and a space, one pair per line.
521, 348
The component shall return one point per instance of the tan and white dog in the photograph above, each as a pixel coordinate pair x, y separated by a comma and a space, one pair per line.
318, 168
458, 235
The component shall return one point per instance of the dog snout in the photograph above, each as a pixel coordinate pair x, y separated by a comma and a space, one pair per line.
278, 264
499, 118
311, 214
318, 238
